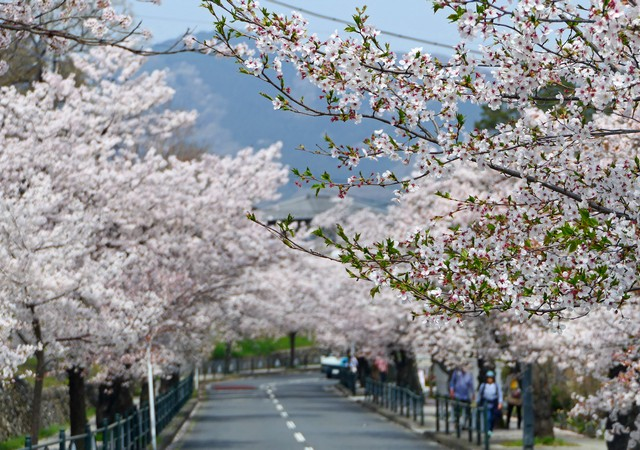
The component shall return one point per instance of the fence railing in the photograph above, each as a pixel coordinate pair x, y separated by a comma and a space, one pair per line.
400, 400
260, 363
348, 379
131, 432
463, 416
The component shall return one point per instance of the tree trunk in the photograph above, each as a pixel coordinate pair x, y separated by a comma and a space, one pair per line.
292, 349
543, 420
621, 440
36, 404
77, 403
166, 384
113, 399
144, 392
406, 370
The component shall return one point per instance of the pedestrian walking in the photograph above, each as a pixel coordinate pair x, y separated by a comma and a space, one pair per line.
353, 364
461, 390
383, 367
513, 396
490, 397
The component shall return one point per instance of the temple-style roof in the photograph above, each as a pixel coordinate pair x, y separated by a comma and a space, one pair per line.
305, 206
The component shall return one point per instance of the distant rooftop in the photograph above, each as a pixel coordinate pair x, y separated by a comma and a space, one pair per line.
305, 206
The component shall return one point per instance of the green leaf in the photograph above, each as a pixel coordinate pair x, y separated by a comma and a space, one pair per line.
318, 187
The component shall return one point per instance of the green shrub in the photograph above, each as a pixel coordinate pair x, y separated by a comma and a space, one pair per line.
259, 347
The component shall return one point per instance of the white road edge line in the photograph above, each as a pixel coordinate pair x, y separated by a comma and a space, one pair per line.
299, 437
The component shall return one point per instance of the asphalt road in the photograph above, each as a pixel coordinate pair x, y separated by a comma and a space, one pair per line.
301, 412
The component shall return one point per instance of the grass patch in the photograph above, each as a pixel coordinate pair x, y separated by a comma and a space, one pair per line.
259, 347
18, 441
13, 443
548, 441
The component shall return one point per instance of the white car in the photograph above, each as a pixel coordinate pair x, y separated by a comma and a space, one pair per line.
331, 365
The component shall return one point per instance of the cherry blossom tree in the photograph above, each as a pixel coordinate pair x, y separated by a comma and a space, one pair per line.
559, 239
562, 239
47, 29
96, 224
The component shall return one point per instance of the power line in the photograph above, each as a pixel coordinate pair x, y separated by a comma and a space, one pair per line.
320, 16
388, 33
175, 19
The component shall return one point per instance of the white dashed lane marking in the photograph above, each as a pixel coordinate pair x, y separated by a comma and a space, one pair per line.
290, 423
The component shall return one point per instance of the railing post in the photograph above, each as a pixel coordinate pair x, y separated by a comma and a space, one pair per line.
105, 435
469, 417
406, 403
446, 415
437, 414
422, 405
129, 430
385, 395
62, 440
396, 399
456, 413
486, 427
479, 425
135, 428
88, 439
144, 427
394, 394
118, 433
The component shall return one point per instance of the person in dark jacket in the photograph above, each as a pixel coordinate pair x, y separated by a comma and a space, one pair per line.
461, 390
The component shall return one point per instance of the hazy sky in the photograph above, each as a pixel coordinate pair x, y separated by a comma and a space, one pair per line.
412, 18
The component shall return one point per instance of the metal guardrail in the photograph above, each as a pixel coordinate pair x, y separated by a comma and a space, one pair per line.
474, 419
348, 379
400, 400
131, 432
260, 363
451, 415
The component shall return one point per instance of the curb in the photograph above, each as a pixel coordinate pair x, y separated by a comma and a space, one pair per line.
449, 442
167, 436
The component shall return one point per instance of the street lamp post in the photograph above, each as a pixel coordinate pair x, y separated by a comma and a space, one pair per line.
152, 402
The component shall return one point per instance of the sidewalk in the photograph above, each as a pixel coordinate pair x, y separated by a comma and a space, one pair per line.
450, 441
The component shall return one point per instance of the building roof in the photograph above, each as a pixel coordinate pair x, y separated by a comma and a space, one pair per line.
305, 206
